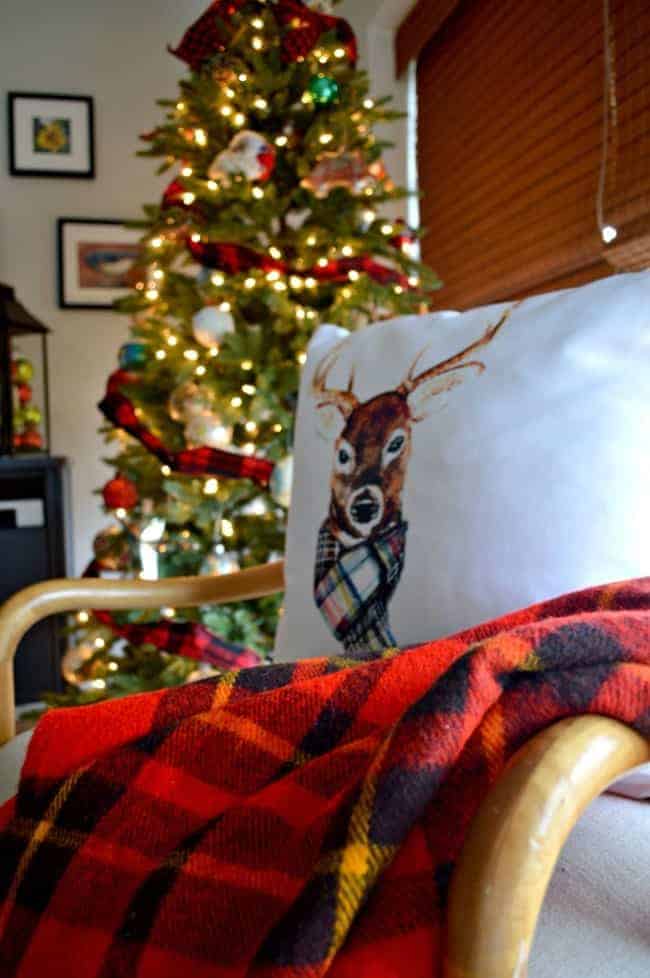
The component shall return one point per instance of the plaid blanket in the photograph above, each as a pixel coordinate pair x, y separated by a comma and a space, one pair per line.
295, 820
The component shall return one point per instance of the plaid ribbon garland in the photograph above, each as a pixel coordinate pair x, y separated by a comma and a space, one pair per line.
119, 410
190, 639
352, 586
235, 258
295, 820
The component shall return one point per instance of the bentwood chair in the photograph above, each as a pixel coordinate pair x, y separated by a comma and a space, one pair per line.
516, 838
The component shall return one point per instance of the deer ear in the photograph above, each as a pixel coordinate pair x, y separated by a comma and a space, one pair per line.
422, 400
330, 420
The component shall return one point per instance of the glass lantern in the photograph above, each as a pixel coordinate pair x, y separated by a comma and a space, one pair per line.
24, 393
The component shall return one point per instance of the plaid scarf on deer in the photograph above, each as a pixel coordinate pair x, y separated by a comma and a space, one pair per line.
293, 821
352, 586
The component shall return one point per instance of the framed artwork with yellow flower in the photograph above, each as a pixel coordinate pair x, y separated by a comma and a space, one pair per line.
51, 135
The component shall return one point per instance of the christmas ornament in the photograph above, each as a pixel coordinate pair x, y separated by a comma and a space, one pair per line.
323, 89
189, 399
22, 370
204, 38
32, 415
31, 438
74, 660
281, 481
348, 170
248, 153
24, 392
132, 354
211, 324
306, 25
120, 493
111, 549
219, 561
207, 429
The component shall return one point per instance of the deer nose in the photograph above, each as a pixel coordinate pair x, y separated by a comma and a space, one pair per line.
365, 506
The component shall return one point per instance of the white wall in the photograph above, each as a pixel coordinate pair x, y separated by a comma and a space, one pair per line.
115, 52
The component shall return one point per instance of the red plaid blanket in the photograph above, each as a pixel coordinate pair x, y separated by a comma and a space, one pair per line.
293, 820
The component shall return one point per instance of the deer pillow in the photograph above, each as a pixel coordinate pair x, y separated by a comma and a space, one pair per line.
453, 467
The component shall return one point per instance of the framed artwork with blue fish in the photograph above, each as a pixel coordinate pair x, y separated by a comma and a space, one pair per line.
98, 262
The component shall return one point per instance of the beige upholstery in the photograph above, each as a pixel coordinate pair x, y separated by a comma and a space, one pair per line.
12, 756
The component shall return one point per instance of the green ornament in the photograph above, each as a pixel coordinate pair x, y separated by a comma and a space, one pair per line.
22, 370
323, 89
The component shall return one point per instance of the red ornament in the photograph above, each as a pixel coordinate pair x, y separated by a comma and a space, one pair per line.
31, 438
24, 393
120, 493
173, 197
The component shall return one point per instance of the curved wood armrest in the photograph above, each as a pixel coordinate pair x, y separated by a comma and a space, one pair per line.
32, 604
516, 838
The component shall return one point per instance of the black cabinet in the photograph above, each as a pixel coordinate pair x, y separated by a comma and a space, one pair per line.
33, 496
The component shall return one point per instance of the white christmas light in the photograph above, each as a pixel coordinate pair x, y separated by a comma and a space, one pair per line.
339, 52
246, 365
368, 215
277, 428
257, 192
257, 43
200, 137
191, 355
158, 274
414, 280
187, 171
306, 98
249, 389
368, 103
156, 242
99, 643
227, 529
172, 340
250, 427
211, 487
249, 283
347, 250
180, 106
151, 295
120, 512
273, 275
257, 23
353, 275
346, 293
387, 229
226, 110
322, 262
189, 198
609, 233
281, 141
168, 612
213, 351
160, 354
225, 306
248, 448
243, 77
236, 401
165, 470
280, 286
213, 185
301, 357
217, 278
295, 282
239, 119
326, 138
260, 103
229, 93
200, 370
83, 617
311, 240
275, 252
398, 290
311, 282
196, 236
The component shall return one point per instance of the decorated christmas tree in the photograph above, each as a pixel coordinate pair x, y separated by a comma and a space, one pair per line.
269, 226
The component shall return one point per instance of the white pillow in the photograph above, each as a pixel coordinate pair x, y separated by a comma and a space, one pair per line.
528, 476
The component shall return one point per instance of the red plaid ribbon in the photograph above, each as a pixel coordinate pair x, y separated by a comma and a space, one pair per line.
119, 410
187, 638
234, 258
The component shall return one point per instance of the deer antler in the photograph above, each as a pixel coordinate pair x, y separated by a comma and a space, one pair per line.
453, 363
344, 400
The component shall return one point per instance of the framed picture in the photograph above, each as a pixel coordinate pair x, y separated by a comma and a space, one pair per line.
97, 262
51, 135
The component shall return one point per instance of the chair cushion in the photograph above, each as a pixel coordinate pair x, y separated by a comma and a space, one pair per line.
12, 756
595, 921
516, 471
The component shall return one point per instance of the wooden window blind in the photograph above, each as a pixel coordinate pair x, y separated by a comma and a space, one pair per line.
510, 112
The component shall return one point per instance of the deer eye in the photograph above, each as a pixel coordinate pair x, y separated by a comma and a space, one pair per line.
345, 458
394, 446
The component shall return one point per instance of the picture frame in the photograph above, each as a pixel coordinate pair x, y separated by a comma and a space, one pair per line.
51, 135
97, 262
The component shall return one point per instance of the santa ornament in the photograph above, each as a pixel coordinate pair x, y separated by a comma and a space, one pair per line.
249, 154
347, 170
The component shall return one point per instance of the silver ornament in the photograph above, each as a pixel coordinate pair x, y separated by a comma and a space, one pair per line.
188, 400
211, 324
207, 429
281, 481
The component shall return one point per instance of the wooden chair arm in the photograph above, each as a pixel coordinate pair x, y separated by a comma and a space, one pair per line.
25, 608
515, 840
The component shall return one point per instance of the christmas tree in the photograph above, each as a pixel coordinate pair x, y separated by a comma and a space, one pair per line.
269, 226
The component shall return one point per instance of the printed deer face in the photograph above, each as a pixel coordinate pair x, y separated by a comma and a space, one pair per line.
372, 439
